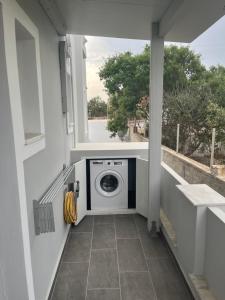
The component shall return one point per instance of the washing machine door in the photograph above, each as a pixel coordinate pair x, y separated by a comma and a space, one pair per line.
109, 183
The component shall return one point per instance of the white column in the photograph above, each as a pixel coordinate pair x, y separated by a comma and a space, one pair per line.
155, 125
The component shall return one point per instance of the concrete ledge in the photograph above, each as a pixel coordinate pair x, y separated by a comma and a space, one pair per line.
201, 195
110, 146
101, 150
201, 287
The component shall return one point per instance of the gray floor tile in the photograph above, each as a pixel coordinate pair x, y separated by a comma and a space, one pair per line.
168, 281
103, 279
77, 248
71, 282
103, 272
141, 223
125, 226
136, 286
104, 219
104, 236
103, 294
86, 225
154, 246
130, 254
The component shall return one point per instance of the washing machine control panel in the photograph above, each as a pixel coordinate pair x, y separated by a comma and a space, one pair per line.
97, 162
118, 163
109, 163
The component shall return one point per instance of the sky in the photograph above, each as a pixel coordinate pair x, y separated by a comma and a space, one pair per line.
210, 45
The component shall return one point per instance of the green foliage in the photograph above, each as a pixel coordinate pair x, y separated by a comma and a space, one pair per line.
215, 118
97, 108
126, 79
197, 112
117, 122
193, 96
187, 107
215, 78
182, 67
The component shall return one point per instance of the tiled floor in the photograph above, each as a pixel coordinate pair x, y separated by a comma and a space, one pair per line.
114, 258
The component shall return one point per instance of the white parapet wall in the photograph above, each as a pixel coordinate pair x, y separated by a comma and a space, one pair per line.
195, 214
169, 180
193, 203
214, 267
100, 150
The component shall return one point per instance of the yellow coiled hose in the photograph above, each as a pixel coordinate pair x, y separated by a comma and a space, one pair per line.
70, 212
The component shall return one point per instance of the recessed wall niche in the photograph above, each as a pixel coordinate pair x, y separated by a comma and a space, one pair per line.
28, 81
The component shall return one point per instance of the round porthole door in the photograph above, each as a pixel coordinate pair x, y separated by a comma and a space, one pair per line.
109, 183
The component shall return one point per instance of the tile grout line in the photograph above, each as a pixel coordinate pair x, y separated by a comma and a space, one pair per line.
80, 232
122, 272
117, 258
75, 262
101, 249
89, 258
99, 289
104, 223
149, 273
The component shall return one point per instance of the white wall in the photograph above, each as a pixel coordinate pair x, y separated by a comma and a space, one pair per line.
197, 215
41, 169
79, 85
182, 216
12, 265
109, 150
215, 251
169, 193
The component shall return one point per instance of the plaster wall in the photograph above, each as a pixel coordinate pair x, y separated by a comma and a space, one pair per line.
41, 169
109, 150
79, 86
186, 206
12, 263
214, 271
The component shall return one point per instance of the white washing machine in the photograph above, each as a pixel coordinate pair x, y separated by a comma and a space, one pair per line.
109, 184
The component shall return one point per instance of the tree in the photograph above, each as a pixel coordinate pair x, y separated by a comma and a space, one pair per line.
182, 67
97, 108
187, 107
143, 107
126, 78
197, 112
215, 78
193, 96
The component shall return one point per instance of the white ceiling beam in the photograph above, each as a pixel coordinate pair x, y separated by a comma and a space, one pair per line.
52, 11
170, 16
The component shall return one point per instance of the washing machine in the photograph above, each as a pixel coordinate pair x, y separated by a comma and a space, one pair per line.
109, 184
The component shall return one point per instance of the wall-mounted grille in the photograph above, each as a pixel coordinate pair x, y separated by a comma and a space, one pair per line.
43, 208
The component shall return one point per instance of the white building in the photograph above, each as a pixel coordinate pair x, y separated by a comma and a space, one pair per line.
43, 126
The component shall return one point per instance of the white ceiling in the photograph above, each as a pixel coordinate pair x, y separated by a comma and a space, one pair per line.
180, 20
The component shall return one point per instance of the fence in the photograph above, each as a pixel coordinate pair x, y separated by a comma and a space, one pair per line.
202, 146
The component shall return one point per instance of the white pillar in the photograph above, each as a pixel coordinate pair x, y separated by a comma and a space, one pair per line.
155, 125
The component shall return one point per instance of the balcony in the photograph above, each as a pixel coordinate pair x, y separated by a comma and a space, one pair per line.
114, 257
172, 244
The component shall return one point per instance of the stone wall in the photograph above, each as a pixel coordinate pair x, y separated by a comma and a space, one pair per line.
192, 171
